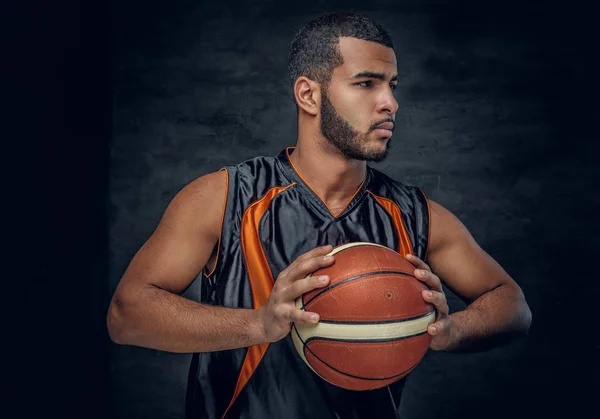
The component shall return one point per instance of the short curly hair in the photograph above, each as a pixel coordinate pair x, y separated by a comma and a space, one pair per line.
314, 51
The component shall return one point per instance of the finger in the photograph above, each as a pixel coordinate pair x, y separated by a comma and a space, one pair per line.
419, 264
297, 288
429, 278
303, 317
306, 267
439, 327
438, 299
314, 253
317, 251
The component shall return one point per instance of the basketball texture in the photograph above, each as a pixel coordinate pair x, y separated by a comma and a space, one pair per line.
373, 319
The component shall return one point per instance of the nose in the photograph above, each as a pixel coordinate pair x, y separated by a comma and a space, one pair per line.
388, 103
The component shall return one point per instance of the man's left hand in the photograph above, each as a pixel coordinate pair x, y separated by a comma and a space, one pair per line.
442, 330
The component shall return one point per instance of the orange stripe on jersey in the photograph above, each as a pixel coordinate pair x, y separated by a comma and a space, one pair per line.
392, 208
261, 279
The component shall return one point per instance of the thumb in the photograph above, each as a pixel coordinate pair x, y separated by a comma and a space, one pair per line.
439, 327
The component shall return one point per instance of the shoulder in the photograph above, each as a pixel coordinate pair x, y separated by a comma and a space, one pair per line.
204, 189
386, 186
203, 201
255, 166
380, 179
252, 179
446, 228
199, 204
214, 185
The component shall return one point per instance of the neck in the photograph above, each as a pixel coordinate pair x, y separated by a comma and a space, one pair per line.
333, 176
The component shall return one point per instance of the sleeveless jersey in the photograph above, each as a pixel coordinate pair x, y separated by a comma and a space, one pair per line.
271, 217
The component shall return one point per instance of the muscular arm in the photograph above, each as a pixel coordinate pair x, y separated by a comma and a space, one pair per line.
497, 309
147, 310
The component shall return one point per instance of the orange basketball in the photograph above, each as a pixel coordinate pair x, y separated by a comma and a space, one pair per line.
373, 319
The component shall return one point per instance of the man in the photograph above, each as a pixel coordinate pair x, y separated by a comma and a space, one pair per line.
260, 227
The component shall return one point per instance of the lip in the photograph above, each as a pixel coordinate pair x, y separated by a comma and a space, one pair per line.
386, 125
383, 132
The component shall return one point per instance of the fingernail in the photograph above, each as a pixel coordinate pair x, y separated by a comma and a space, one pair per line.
314, 317
429, 294
328, 258
323, 278
433, 329
422, 272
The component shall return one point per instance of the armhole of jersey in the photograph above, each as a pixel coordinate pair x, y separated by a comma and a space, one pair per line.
207, 275
428, 222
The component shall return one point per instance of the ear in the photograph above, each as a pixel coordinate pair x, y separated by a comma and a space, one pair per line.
308, 95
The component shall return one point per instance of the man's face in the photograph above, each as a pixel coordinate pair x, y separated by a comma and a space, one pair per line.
360, 98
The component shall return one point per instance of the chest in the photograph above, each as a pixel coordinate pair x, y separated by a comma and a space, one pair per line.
292, 226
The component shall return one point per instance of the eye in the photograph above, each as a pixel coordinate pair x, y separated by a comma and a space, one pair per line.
370, 83
394, 86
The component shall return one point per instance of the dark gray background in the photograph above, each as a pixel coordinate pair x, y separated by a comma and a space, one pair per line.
132, 101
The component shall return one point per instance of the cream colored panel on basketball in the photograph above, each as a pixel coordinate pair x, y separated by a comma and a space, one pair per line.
362, 332
367, 331
349, 245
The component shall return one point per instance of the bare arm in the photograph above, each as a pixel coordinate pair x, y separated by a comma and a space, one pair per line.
497, 309
147, 310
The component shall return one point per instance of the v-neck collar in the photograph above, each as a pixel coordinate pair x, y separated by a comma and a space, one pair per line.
292, 174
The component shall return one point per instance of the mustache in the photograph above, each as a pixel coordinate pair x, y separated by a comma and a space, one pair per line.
376, 124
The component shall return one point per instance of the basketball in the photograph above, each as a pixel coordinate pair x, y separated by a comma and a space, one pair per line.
373, 319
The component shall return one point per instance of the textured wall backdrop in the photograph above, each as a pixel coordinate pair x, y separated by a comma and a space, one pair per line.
487, 126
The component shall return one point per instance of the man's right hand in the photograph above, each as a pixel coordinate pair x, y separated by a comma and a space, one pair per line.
276, 316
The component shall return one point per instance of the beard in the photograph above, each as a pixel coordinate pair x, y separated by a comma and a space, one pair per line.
350, 142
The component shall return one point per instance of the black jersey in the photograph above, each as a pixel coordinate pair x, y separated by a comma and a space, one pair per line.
271, 217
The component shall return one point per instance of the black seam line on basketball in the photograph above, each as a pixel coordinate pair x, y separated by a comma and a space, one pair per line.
337, 284
306, 348
367, 323
364, 340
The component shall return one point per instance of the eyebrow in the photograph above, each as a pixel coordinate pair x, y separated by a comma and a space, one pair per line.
372, 75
